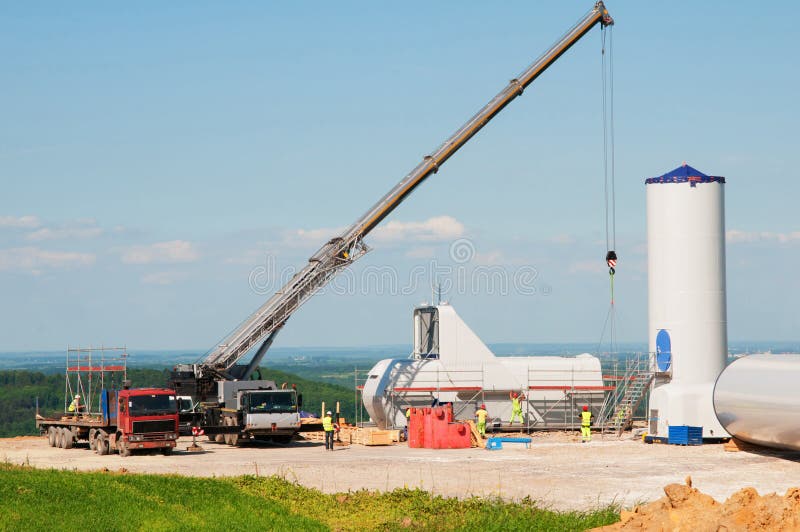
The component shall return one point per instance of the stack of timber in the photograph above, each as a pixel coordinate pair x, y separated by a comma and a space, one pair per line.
360, 436
475, 436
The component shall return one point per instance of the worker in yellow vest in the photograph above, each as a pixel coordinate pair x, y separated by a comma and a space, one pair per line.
327, 426
75, 406
516, 406
586, 425
482, 414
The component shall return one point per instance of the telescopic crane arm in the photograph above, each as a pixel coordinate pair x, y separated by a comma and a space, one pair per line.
339, 252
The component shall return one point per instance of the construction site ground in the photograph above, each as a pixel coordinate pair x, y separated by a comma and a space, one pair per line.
557, 470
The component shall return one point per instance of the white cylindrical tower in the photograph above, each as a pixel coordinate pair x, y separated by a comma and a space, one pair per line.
687, 303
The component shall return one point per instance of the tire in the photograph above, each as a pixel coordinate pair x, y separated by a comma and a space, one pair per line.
166, 451
51, 436
69, 439
92, 440
61, 439
231, 439
101, 445
123, 449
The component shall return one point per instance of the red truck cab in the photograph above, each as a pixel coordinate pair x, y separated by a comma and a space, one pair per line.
144, 418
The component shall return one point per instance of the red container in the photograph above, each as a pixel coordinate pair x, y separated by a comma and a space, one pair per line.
458, 436
416, 429
439, 421
427, 432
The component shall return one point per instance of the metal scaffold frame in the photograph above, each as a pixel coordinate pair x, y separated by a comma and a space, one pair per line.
625, 388
91, 369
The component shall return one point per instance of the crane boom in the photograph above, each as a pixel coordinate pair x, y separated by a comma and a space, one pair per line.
339, 252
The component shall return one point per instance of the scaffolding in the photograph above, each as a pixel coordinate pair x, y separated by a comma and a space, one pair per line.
552, 401
90, 370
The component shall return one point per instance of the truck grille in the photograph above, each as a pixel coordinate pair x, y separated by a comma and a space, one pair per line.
162, 425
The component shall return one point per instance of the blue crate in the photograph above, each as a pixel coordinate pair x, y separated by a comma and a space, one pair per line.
685, 435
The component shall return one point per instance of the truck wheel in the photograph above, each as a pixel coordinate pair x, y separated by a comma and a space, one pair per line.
61, 438
51, 436
93, 440
69, 439
102, 445
166, 451
124, 450
231, 439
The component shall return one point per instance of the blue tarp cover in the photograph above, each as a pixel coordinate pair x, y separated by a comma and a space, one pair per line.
684, 174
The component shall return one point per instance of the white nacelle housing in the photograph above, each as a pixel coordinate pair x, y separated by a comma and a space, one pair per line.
451, 364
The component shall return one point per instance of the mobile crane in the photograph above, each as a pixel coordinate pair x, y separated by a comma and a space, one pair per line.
211, 377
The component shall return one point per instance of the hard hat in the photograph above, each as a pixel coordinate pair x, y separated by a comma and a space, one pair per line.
329, 413
77, 397
585, 408
483, 406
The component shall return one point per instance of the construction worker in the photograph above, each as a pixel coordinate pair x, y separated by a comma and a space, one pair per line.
516, 406
75, 406
328, 427
482, 414
586, 425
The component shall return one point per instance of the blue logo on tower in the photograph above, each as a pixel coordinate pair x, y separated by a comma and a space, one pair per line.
663, 350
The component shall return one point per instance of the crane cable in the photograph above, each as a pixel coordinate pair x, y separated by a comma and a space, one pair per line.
607, 80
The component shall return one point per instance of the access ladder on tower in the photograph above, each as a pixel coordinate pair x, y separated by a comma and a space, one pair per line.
620, 406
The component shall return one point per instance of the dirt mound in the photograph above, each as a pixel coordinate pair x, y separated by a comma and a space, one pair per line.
685, 508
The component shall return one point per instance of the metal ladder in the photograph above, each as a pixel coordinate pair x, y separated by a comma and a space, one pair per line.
619, 407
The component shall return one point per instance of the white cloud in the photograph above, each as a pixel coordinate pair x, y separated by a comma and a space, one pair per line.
161, 252
438, 228
19, 222
34, 260
735, 236
491, 258
162, 278
421, 252
47, 233
306, 237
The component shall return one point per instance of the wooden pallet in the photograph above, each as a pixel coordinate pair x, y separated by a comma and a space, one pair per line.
359, 436
475, 436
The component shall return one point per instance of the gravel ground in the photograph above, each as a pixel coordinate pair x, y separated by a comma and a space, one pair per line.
557, 470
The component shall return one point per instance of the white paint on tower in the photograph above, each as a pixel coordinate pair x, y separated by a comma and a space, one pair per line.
687, 302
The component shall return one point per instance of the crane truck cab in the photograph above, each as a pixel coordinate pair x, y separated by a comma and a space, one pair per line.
256, 410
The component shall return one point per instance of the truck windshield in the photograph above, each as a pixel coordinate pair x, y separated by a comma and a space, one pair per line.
154, 404
272, 402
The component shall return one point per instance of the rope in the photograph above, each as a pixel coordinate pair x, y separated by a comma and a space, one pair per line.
609, 185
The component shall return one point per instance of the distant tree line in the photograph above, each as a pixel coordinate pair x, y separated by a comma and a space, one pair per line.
20, 389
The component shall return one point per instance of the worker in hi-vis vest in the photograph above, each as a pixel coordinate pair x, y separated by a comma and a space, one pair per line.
516, 406
75, 405
586, 425
482, 414
327, 426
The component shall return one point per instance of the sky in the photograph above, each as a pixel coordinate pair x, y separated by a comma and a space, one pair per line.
164, 165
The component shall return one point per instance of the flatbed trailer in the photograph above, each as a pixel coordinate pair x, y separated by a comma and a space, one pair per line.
129, 420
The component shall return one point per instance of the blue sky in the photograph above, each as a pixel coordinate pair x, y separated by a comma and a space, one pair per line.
156, 157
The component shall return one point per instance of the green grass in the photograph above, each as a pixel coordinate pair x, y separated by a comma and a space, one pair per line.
34, 499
